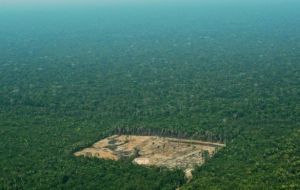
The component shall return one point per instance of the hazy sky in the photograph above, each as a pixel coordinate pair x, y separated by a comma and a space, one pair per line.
87, 2
120, 2
84, 2
71, 1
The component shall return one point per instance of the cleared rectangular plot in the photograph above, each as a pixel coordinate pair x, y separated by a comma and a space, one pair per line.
153, 151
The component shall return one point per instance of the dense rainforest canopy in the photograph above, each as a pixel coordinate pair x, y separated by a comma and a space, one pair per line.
229, 74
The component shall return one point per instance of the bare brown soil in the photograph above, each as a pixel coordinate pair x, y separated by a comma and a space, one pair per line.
154, 151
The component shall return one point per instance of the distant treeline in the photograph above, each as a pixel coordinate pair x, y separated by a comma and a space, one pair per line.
163, 132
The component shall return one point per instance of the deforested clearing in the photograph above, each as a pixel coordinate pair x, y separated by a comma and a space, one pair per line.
154, 151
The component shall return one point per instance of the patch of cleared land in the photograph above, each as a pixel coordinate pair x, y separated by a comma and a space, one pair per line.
154, 151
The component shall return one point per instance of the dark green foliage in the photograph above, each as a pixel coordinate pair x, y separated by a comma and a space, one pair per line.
268, 160
69, 80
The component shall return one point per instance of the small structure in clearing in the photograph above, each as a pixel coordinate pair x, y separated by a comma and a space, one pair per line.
154, 151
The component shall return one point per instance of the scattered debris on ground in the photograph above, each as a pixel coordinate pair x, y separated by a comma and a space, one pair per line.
154, 151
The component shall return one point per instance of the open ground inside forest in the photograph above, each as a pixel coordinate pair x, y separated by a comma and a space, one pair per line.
154, 151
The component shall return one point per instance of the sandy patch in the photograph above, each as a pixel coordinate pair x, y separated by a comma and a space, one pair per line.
153, 150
